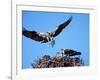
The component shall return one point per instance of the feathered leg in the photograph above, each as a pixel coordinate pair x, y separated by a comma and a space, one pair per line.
46, 40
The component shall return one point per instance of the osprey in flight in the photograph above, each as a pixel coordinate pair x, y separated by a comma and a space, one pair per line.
45, 37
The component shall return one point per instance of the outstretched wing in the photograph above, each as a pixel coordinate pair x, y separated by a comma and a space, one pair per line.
59, 29
32, 35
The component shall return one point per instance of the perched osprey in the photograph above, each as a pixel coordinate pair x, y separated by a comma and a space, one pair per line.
45, 37
69, 52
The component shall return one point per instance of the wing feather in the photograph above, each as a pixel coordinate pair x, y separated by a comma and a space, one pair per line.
32, 35
59, 29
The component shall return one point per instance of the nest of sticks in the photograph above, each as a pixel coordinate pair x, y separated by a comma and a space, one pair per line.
66, 58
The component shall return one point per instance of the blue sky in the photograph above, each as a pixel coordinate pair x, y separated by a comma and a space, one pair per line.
75, 36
